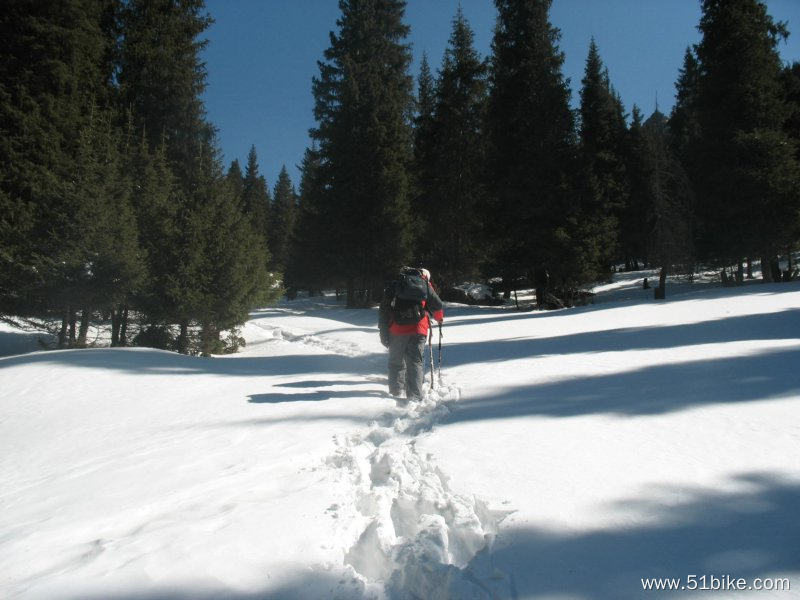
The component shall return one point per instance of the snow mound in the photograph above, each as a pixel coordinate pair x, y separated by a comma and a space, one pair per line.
476, 291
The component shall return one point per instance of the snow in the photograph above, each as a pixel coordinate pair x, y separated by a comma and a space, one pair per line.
566, 454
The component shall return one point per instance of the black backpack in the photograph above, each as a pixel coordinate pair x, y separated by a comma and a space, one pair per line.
409, 291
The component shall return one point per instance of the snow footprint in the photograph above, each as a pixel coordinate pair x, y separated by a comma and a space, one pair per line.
417, 535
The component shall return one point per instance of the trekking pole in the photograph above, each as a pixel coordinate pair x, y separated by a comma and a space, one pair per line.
430, 348
440, 354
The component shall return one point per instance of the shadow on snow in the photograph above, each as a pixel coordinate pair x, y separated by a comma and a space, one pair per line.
311, 396
647, 391
768, 326
162, 362
750, 533
746, 534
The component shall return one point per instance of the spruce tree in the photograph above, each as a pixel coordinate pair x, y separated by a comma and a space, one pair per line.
670, 200
112, 266
602, 152
457, 188
256, 198
51, 80
791, 87
683, 126
236, 181
161, 78
283, 218
531, 132
308, 263
634, 228
744, 165
153, 197
424, 168
233, 276
363, 102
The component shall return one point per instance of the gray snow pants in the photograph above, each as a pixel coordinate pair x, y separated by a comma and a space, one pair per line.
406, 355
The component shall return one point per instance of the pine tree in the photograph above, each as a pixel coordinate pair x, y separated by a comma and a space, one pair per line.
670, 200
236, 181
232, 274
424, 168
634, 229
744, 165
457, 187
602, 137
256, 198
308, 266
791, 87
162, 77
111, 265
363, 104
50, 82
283, 218
153, 197
683, 126
531, 132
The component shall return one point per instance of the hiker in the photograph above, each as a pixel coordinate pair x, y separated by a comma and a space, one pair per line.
404, 321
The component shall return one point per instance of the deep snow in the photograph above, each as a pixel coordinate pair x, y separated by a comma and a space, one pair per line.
568, 454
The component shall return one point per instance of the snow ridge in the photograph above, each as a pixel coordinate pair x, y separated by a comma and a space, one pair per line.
413, 535
307, 339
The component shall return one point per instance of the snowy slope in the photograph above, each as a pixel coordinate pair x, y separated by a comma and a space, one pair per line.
567, 455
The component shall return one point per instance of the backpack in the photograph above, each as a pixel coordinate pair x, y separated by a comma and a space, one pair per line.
410, 291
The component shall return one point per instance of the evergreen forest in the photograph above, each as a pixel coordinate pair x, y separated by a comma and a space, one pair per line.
115, 206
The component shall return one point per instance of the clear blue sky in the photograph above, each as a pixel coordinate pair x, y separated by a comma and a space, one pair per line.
262, 55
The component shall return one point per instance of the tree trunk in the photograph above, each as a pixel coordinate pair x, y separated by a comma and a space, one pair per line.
740, 272
84, 327
123, 327
351, 293
540, 285
660, 292
766, 270
749, 268
62, 334
73, 319
114, 328
209, 336
183, 338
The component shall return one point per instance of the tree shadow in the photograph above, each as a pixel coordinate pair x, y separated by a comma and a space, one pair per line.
162, 362
748, 534
651, 390
365, 329
20, 342
320, 383
767, 326
676, 292
315, 396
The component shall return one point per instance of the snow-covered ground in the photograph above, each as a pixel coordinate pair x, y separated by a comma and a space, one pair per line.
567, 454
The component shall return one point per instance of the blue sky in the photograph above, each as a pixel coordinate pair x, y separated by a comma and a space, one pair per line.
262, 55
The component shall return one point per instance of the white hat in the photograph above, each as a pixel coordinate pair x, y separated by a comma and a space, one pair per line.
426, 274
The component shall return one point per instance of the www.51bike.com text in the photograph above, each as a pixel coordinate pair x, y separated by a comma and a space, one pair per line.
717, 583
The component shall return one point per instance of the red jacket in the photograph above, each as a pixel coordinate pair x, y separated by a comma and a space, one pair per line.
421, 328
